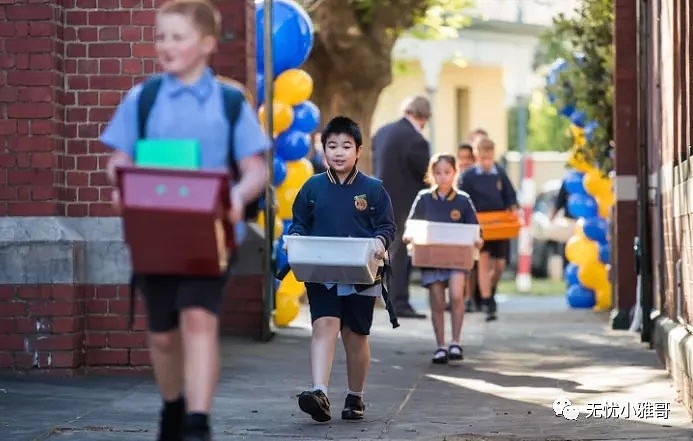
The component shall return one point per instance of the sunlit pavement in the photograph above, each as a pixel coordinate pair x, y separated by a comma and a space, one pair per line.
538, 352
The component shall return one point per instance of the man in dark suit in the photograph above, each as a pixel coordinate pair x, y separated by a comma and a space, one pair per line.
400, 160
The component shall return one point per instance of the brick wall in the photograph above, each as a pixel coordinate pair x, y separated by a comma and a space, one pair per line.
65, 65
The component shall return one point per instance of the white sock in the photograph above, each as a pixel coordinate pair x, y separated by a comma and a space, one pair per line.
358, 394
320, 387
455, 343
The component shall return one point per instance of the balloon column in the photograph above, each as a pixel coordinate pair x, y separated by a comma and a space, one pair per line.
294, 119
590, 200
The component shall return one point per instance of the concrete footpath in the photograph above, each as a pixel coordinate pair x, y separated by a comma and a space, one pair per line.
514, 369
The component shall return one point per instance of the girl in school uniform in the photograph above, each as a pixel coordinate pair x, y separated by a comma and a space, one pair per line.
444, 203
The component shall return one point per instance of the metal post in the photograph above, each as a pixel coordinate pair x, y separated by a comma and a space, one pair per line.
268, 292
523, 279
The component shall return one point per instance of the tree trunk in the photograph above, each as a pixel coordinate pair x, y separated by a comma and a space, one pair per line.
351, 60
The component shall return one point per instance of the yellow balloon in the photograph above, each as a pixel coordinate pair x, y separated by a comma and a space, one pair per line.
603, 299
596, 184
578, 162
604, 202
297, 173
580, 250
579, 225
578, 135
293, 86
593, 275
286, 310
282, 118
278, 225
291, 287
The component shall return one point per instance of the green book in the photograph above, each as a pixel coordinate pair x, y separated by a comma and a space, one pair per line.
168, 153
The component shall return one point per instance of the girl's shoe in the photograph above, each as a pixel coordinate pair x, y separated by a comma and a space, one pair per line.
353, 408
455, 352
316, 404
440, 357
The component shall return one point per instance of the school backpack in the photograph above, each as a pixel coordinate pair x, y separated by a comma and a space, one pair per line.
233, 100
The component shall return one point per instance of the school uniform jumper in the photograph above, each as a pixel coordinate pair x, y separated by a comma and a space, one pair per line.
359, 207
490, 191
454, 207
186, 112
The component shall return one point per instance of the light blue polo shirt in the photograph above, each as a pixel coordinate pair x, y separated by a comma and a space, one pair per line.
189, 111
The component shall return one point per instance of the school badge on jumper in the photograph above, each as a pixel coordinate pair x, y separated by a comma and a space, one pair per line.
499, 185
455, 215
360, 202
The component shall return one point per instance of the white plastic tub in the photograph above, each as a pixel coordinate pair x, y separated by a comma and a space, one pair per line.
441, 233
333, 259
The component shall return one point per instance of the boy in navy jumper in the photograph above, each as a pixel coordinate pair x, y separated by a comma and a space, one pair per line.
183, 312
488, 185
342, 202
444, 203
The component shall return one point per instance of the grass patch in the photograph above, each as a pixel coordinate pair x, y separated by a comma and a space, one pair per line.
540, 287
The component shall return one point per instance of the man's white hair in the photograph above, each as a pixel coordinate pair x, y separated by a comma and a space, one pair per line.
417, 106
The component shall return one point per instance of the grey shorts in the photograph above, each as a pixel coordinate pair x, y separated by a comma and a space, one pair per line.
432, 275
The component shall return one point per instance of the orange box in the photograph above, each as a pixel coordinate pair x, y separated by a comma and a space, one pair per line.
499, 225
175, 221
443, 256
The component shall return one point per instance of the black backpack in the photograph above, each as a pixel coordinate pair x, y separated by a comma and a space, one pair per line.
233, 100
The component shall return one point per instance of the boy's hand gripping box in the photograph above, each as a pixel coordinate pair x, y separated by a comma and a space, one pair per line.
175, 221
442, 244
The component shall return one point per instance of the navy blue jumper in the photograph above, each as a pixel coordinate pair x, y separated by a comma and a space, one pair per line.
456, 206
489, 191
358, 207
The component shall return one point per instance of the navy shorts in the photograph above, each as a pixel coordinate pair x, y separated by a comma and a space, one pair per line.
497, 249
166, 296
354, 311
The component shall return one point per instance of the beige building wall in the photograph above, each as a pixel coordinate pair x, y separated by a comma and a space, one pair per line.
467, 97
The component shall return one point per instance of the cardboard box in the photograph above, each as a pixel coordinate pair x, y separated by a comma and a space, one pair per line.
175, 221
333, 259
442, 256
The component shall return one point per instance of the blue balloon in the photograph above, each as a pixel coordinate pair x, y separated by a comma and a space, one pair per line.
560, 64
287, 223
261, 203
590, 127
292, 35
573, 182
582, 205
260, 83
580, 297
580, 58
279, 170
551, 78
306, 117
578, 118
596, 229
604, 253
568, 110
570, 274
292, 145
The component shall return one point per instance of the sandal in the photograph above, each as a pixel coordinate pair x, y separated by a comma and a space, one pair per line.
455, 352
440, 356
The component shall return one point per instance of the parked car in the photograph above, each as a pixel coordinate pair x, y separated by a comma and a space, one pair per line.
548, 236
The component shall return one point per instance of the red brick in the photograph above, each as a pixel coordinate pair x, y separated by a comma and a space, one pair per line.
77, 210
143, 50
39, 78
31, 45
131, 33
24, 193
42, 160
66, 359
11, 342
30, 176
109, 33
76, 17
12, 309
43, 193
95, 339
88, 33
21, 61
77, 114
7, 292
111, 357
7, 326
87, 66
100, 18
67, 324
34, 143
111, 99
77, 178
36, 94
56, 342
7, 193
41, 29
8, 94
109, 292
77, 82
42, 127
88, 130
28, 325
76, 50
24, 360
97, 148
88, 98
53, 308
96, 306
8, 127
32, 209
6, 359
111, 82
109, 67
7, 30
139, 357
140, 323
107, 322
108, 4
87, 163
143, 17
65, 292
101, 210
118, 340
29, 12
100, 114
30, 111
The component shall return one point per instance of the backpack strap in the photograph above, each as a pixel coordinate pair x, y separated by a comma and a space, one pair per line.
233, 100
150, 88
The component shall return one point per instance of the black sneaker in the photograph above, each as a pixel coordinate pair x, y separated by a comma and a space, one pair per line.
353, 408
316, 404
468, 305
196, 428
171, 421
490, 309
